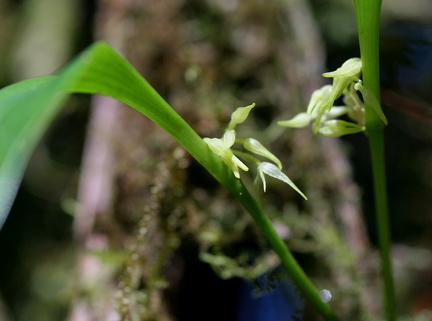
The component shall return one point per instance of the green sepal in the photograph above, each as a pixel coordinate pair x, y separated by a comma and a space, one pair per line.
256, 147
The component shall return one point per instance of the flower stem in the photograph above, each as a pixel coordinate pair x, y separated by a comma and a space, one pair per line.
295, 271
368, 18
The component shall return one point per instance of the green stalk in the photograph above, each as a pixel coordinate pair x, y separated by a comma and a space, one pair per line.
289, 262
368, 19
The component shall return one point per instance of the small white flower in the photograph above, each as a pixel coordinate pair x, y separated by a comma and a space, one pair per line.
320, 101
222, 147
321, 107
319, 104
343, 76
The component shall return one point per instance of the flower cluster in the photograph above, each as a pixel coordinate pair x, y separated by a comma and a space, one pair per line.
223, 148
322, 112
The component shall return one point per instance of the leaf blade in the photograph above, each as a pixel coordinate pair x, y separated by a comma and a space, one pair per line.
38, 100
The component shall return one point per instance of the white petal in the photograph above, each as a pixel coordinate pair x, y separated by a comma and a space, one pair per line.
215, 144
273, 171
228, 138
298, 121
339, 85
256, 147
261, 174
349, 68
318, 96
239, 163
336, 111
337, 128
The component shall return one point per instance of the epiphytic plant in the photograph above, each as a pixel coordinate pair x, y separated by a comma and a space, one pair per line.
26, 109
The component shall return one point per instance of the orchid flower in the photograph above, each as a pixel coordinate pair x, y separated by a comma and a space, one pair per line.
223, 148
322, 112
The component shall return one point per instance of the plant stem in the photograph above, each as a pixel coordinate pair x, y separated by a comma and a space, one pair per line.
295, 271
368, 18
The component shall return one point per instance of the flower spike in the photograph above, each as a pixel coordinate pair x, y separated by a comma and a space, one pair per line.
321, 109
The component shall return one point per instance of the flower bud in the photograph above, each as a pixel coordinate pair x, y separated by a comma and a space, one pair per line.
239, 116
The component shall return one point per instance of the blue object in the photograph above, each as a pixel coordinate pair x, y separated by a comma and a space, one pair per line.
270, 298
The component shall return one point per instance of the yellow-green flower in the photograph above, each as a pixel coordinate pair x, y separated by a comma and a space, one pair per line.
323, 113
222, 147
343, 76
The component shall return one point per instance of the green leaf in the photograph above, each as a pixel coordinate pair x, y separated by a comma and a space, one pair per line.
26, 110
